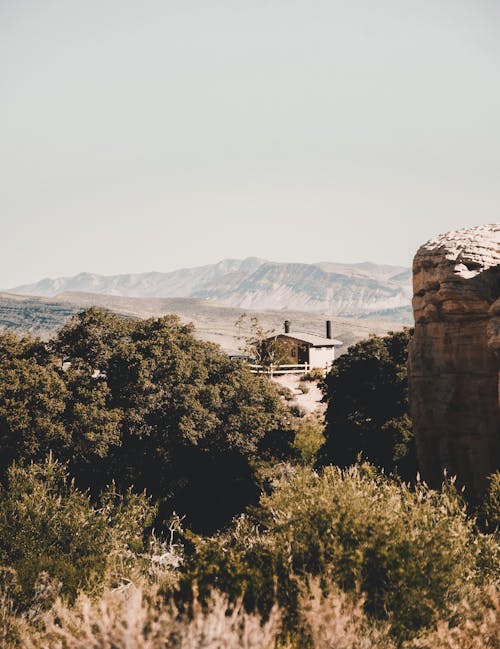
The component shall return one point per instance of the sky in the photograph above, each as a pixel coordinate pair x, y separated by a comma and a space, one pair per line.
154, 135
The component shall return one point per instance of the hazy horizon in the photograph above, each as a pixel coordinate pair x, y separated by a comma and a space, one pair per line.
86, 272
153, 136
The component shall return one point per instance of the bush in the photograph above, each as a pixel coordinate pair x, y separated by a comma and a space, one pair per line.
316, 374
491, 506
309, 438
48, 526
475, 624
296, 409
304, 388
409, 551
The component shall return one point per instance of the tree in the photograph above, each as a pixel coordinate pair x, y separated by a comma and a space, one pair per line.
151, 406
32, 402
192, 421
89, 338
367, 406
258, 343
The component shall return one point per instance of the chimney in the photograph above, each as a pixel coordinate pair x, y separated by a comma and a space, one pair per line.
328, 328
287, 326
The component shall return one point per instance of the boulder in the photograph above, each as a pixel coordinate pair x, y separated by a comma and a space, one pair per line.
454, 357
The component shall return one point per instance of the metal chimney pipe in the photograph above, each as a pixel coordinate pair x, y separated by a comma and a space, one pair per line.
328, 328
287, 326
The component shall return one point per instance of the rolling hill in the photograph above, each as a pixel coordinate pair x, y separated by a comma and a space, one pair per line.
253, 283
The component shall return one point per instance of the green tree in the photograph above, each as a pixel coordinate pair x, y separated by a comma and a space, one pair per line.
152, 406
258, 343
193, 421
89, 338
32, 402
366, 392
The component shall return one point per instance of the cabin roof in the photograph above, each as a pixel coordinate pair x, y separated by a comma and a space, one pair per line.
311, 339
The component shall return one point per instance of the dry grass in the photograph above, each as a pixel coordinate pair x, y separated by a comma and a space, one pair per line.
339, 622
477, 625
127, 619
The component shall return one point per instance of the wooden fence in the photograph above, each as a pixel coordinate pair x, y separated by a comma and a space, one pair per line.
280, 369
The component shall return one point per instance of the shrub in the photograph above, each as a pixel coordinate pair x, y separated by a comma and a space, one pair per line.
409, 551
475, 624
48, 526
309, 438
316, 374
491, 506
296, 409
303, 387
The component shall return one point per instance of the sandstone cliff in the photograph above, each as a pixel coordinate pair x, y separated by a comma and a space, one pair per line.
454, 357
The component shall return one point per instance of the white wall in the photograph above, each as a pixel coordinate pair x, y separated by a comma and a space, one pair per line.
321, 356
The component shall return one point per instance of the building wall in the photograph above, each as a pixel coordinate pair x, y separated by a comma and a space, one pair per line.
292, 349
298, 352
321, 356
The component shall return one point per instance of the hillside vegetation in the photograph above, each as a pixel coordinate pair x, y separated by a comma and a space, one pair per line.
155, 494
212, 322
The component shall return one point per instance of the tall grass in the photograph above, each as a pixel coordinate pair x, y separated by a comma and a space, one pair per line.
136, 618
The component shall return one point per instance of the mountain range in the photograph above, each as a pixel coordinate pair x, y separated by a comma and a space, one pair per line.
253, 283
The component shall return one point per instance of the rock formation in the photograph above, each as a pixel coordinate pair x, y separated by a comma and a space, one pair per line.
454, 357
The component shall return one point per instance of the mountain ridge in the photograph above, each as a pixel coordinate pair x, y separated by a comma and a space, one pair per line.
329, 287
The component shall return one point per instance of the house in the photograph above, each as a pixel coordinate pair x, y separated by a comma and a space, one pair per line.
298, 348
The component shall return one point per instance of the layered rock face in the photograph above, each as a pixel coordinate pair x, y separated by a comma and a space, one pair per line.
454, 358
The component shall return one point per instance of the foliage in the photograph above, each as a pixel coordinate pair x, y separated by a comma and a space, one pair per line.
143, 403
32, 402
475, 624
409, 551
47, 525
366, 393
338, 621
258, 343
192, 421
140, 620
309, 437
136, 617
315, 374
491, 505
349, 558
88, 339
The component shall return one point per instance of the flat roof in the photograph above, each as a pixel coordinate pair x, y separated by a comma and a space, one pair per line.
312, 339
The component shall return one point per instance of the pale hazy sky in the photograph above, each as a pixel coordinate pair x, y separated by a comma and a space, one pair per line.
151, 135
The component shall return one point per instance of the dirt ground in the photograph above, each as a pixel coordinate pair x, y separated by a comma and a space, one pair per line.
310, 401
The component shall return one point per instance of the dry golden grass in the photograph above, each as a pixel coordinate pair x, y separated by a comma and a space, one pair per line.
131, 618
127, 619
477, 626
339, 622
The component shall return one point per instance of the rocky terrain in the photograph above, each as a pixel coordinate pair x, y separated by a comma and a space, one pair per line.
454, 355
212, 322
34, 315
252, 283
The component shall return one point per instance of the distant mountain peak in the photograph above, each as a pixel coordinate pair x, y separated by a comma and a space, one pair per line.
334, 288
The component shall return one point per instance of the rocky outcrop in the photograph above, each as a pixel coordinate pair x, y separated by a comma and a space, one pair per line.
454, 357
